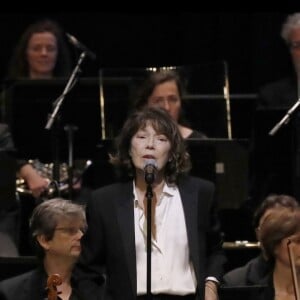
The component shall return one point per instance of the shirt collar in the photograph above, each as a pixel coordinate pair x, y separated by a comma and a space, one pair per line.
168, 190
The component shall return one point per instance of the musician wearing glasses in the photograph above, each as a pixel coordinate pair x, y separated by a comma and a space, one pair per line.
285, 92
274, 101
57, 226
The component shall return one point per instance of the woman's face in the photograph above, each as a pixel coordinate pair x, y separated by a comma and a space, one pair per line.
66, 239
41, 55
166, 95
149, 144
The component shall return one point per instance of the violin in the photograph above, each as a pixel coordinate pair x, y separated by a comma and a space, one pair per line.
52, 282
293, 269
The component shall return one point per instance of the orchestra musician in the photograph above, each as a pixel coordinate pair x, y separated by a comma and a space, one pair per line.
165, 89
9, 222
257, 268
279, 231
41, 53
57, 226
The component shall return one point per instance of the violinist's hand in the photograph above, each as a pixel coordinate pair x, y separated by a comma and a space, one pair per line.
36, 183
211, 290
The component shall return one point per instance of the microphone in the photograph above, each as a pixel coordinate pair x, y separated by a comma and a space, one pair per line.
150, 169
72, 39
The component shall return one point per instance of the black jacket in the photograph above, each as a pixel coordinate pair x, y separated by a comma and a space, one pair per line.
29, 286
258, 274
110, 240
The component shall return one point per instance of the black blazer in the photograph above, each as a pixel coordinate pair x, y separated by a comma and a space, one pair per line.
6, 142
29, 286
110, 240
254, 272
257, 273
281, 94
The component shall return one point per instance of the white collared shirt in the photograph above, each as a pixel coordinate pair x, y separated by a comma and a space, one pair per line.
172, 271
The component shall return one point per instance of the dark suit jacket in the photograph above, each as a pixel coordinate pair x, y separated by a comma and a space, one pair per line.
279, 94
110, 240
6, 142
257, 273
28, 286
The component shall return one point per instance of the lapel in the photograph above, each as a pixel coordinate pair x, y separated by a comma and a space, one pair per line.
125, 216
259, 271
189, 199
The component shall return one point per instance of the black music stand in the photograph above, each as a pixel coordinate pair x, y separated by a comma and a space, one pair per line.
225, 162
274, 157
30, 102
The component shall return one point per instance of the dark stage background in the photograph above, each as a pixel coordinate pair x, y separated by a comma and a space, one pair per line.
249, 42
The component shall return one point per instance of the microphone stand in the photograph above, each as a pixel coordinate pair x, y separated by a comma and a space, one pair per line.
70, 129
57, 104
285, 119
149, 196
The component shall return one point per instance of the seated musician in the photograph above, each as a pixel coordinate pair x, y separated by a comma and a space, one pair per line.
57, 226
41, 53
278, 225
165, 89
256, 268
10, 215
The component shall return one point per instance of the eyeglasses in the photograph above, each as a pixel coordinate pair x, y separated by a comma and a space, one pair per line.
72, 230
294, 45
294, 238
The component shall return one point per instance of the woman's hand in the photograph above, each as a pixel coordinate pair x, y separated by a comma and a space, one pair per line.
36, 183
211, 290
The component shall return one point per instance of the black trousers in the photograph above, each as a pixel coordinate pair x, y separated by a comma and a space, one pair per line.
167, 297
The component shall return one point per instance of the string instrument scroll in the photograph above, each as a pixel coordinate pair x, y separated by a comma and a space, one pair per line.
52, 282
293, 269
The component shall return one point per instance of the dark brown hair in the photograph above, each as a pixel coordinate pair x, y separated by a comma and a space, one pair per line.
272, 201
156, 78
280, 223
19, 67
161, 121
